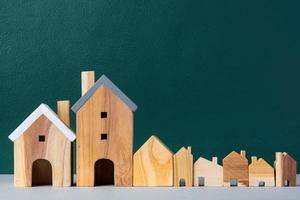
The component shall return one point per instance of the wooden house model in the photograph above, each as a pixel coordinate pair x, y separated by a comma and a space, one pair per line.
104, 129
153, 164
235, 170
261, 173
183, 167
285, 170
208, 173
42, 148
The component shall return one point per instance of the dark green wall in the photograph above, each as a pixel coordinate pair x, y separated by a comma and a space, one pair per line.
216, 75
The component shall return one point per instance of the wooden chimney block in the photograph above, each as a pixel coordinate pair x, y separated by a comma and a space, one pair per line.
153, 164
104, 129
235, 170
183, 167
261, 173
42, 149
208, 173
285, 170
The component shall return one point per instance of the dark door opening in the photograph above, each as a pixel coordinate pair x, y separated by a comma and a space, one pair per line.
182, 182
201, 181
41, 173
261, 184
233, 182
286, 183
104, 172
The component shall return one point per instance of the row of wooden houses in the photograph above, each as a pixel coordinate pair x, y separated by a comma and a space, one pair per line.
104, 149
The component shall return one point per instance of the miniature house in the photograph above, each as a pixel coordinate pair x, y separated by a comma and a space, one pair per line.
260, 173
153, 164
285, 170
208, 173
235, 170
42, 148
183, 167
104, 128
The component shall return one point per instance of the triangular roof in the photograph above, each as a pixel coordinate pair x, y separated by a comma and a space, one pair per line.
260, 161
103, 80
153, 139
43, 109
205, 161
235, 154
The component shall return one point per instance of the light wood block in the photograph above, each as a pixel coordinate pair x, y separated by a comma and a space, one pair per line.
235, 168
87, 81
261, 173
285, 170
153, 164
209, 171
183, 167
114, 152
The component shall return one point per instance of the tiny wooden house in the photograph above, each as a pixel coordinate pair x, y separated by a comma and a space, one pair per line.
153, 164
261, 173
183, 167
104, 128
42, 148
235, 170
285, 170
208, 173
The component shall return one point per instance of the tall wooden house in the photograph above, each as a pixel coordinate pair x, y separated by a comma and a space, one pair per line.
183, 167
261, 173
42, 148
235, 170
153, 164
208, 173
285, 170
104, 128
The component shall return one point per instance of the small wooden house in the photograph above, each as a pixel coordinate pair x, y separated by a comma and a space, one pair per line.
208, 173
235, 170
42, 148
153, 164
285, 170
183, 167
261, 173
104, 129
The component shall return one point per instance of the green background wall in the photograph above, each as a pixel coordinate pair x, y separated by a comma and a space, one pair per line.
216, 75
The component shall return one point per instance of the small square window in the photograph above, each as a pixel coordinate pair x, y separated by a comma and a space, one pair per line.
103, 114
42, 138
233, 182
103, 136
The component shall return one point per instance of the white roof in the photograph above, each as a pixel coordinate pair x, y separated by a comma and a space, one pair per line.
43, 109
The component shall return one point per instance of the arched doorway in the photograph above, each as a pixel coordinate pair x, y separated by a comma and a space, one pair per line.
41, 172
104, 172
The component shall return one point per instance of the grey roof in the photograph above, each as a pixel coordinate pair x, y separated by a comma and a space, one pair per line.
103, 80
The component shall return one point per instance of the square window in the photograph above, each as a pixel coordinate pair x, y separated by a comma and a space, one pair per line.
103, 114
103, 136
233, 182
42, 138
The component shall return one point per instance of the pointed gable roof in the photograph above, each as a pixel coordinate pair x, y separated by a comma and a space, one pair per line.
103, 80
204, 160
234, 154
45, 110
156, 144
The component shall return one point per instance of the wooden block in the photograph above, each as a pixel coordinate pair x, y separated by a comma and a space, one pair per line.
183, 167
87, 81
104, 128
261, 173
153, 164
208, 173
42, 150
235, 170
285, 170
63, 111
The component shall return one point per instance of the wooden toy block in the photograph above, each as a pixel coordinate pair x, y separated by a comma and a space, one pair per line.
183, 167
153, 164
104, 128
235, 170
208, 173
42, 148
285, 170
261, 173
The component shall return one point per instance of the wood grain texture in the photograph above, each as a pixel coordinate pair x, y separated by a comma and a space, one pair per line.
63, 111
285, 169
210, 170
56, 149
183, 167
119, 144
87, 81
261, 171
153, 164
235, 166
